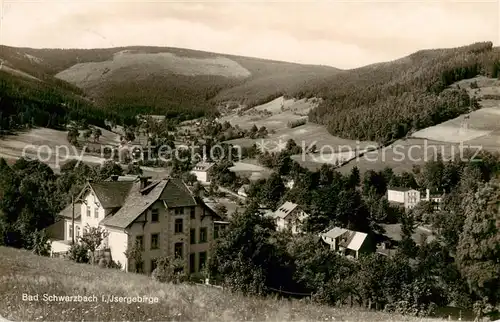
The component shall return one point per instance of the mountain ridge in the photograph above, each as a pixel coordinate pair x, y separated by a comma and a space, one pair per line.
360, 103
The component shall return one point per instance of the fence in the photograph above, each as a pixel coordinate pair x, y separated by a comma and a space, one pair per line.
294, 294
280, 291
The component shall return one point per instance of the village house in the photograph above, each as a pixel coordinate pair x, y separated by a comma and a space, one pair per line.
201, 171
243, 190
161, 216
290, 216
409, 198
348, 242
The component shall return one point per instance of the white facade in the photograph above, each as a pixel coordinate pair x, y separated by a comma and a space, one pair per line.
201, 171
409, 198
201, 176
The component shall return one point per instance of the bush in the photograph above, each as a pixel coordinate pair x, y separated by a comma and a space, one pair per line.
169, 270
79, 253
292, 124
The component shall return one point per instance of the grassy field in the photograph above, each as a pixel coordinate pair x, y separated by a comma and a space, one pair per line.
49, 146
480, 127
251, 169
402, 155
52, 146
22, 272
277, 120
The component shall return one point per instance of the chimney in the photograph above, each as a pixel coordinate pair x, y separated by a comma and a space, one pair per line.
114, 177
144, 182
427, 194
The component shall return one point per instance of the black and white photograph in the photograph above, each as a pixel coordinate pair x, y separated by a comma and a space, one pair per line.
250, 160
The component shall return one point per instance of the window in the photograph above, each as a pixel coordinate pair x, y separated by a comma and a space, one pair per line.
178, 226
193, 213
70, 231
203, 235
192, 236
155, 241
203, 259
96, 212
139, 267
139, 240
216, 231
154, 215
77, 231
179, 211
88, 211
178, 250
153, 265
192, 263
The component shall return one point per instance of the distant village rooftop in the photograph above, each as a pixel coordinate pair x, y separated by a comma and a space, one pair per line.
203, 166
285, 209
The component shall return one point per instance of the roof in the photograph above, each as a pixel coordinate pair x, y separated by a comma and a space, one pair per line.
402, 189
177, 194
124, 178
285, 209
203, 166
335, 232
354, 239
357, 240
68, 211
134, 205
173, 192
111, 194
244, 188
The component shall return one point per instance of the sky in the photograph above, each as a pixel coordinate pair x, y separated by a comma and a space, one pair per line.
343, 34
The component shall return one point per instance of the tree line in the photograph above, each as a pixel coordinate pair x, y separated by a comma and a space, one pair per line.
457, 267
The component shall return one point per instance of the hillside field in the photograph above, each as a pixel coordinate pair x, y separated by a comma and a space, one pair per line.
477, 128
22, 272
276, 119
43, 144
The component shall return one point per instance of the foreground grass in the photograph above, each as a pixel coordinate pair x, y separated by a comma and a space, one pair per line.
22, 272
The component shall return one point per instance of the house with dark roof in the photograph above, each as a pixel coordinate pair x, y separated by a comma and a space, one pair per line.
290, 216
347, 242
163, 217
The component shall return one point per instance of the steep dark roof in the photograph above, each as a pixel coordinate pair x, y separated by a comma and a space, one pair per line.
111, 194
176, 194
172, 191
135, 204
400, 188
68, 211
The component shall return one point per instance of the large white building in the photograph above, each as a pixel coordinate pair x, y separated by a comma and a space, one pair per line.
161, 216
201, 171
409, 197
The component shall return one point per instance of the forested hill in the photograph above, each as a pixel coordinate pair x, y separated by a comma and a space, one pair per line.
46, 102
163, 80
385, 101
380, 102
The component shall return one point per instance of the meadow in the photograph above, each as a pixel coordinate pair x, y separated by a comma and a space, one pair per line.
479, 127
275, 118
43, 144
22, 272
